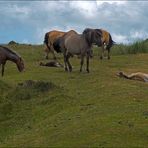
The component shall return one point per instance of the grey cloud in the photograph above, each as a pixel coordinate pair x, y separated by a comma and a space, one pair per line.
122, 20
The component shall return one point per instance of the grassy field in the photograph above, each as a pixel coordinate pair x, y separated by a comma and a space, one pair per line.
74, 109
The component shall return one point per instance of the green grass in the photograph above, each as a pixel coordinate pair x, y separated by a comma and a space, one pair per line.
75, 109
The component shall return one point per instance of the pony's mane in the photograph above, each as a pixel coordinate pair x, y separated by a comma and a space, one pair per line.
88, 36
86, 30
10, 50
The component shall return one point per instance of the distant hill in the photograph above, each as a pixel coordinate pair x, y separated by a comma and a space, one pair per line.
13, 43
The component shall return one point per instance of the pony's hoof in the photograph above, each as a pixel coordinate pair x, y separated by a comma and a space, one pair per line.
101, 57
87, 70
70, 69
108, 58
66, 69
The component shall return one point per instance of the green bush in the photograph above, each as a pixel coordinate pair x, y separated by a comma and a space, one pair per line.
137, 47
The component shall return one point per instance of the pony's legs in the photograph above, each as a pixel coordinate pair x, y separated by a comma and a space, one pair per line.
108, 53
87, 62
82, 62
3, 68
69, 65
46, 57
102, 53
46, 50
65, 62
53, 53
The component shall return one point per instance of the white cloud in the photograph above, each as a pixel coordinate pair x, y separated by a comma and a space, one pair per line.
87, 8
16, 11
138, 34
118, 38
125, 20
99, 2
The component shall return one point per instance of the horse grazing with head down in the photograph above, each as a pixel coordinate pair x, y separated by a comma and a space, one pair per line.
49, 39
106, 40
8, 54
73, 43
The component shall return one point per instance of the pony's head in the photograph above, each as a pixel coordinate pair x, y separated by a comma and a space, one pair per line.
120, 74
20, 64
92, 36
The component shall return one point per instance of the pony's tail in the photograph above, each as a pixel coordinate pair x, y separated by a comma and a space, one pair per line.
111, 40
46, 39
56, 45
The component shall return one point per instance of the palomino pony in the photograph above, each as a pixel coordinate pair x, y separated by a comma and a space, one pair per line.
77, 44
134, 76
106, 40
8, 54
49, 39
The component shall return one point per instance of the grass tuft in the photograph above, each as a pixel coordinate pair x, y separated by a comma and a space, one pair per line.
29, 89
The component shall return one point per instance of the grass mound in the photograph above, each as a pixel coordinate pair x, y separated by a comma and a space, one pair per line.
3, 86
29, 89
40, 86
23, 91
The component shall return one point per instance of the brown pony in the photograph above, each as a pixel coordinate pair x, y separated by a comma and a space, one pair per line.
73, 43
8, 54
106, 40
49, 39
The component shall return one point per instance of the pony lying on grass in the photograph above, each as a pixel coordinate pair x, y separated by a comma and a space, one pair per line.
134, 76
51, 64
8, 54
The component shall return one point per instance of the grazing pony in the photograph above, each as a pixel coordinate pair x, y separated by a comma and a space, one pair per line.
49, 39
8, 54
106, 40
73, 43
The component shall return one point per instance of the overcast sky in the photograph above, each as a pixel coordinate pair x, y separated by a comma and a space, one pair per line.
28, 21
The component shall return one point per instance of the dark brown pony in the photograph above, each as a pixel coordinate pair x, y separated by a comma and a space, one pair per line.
49, 39
106, 40
8, 54
51, 64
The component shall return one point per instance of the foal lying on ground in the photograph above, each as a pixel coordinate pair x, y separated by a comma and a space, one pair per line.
134, 76
51, 64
